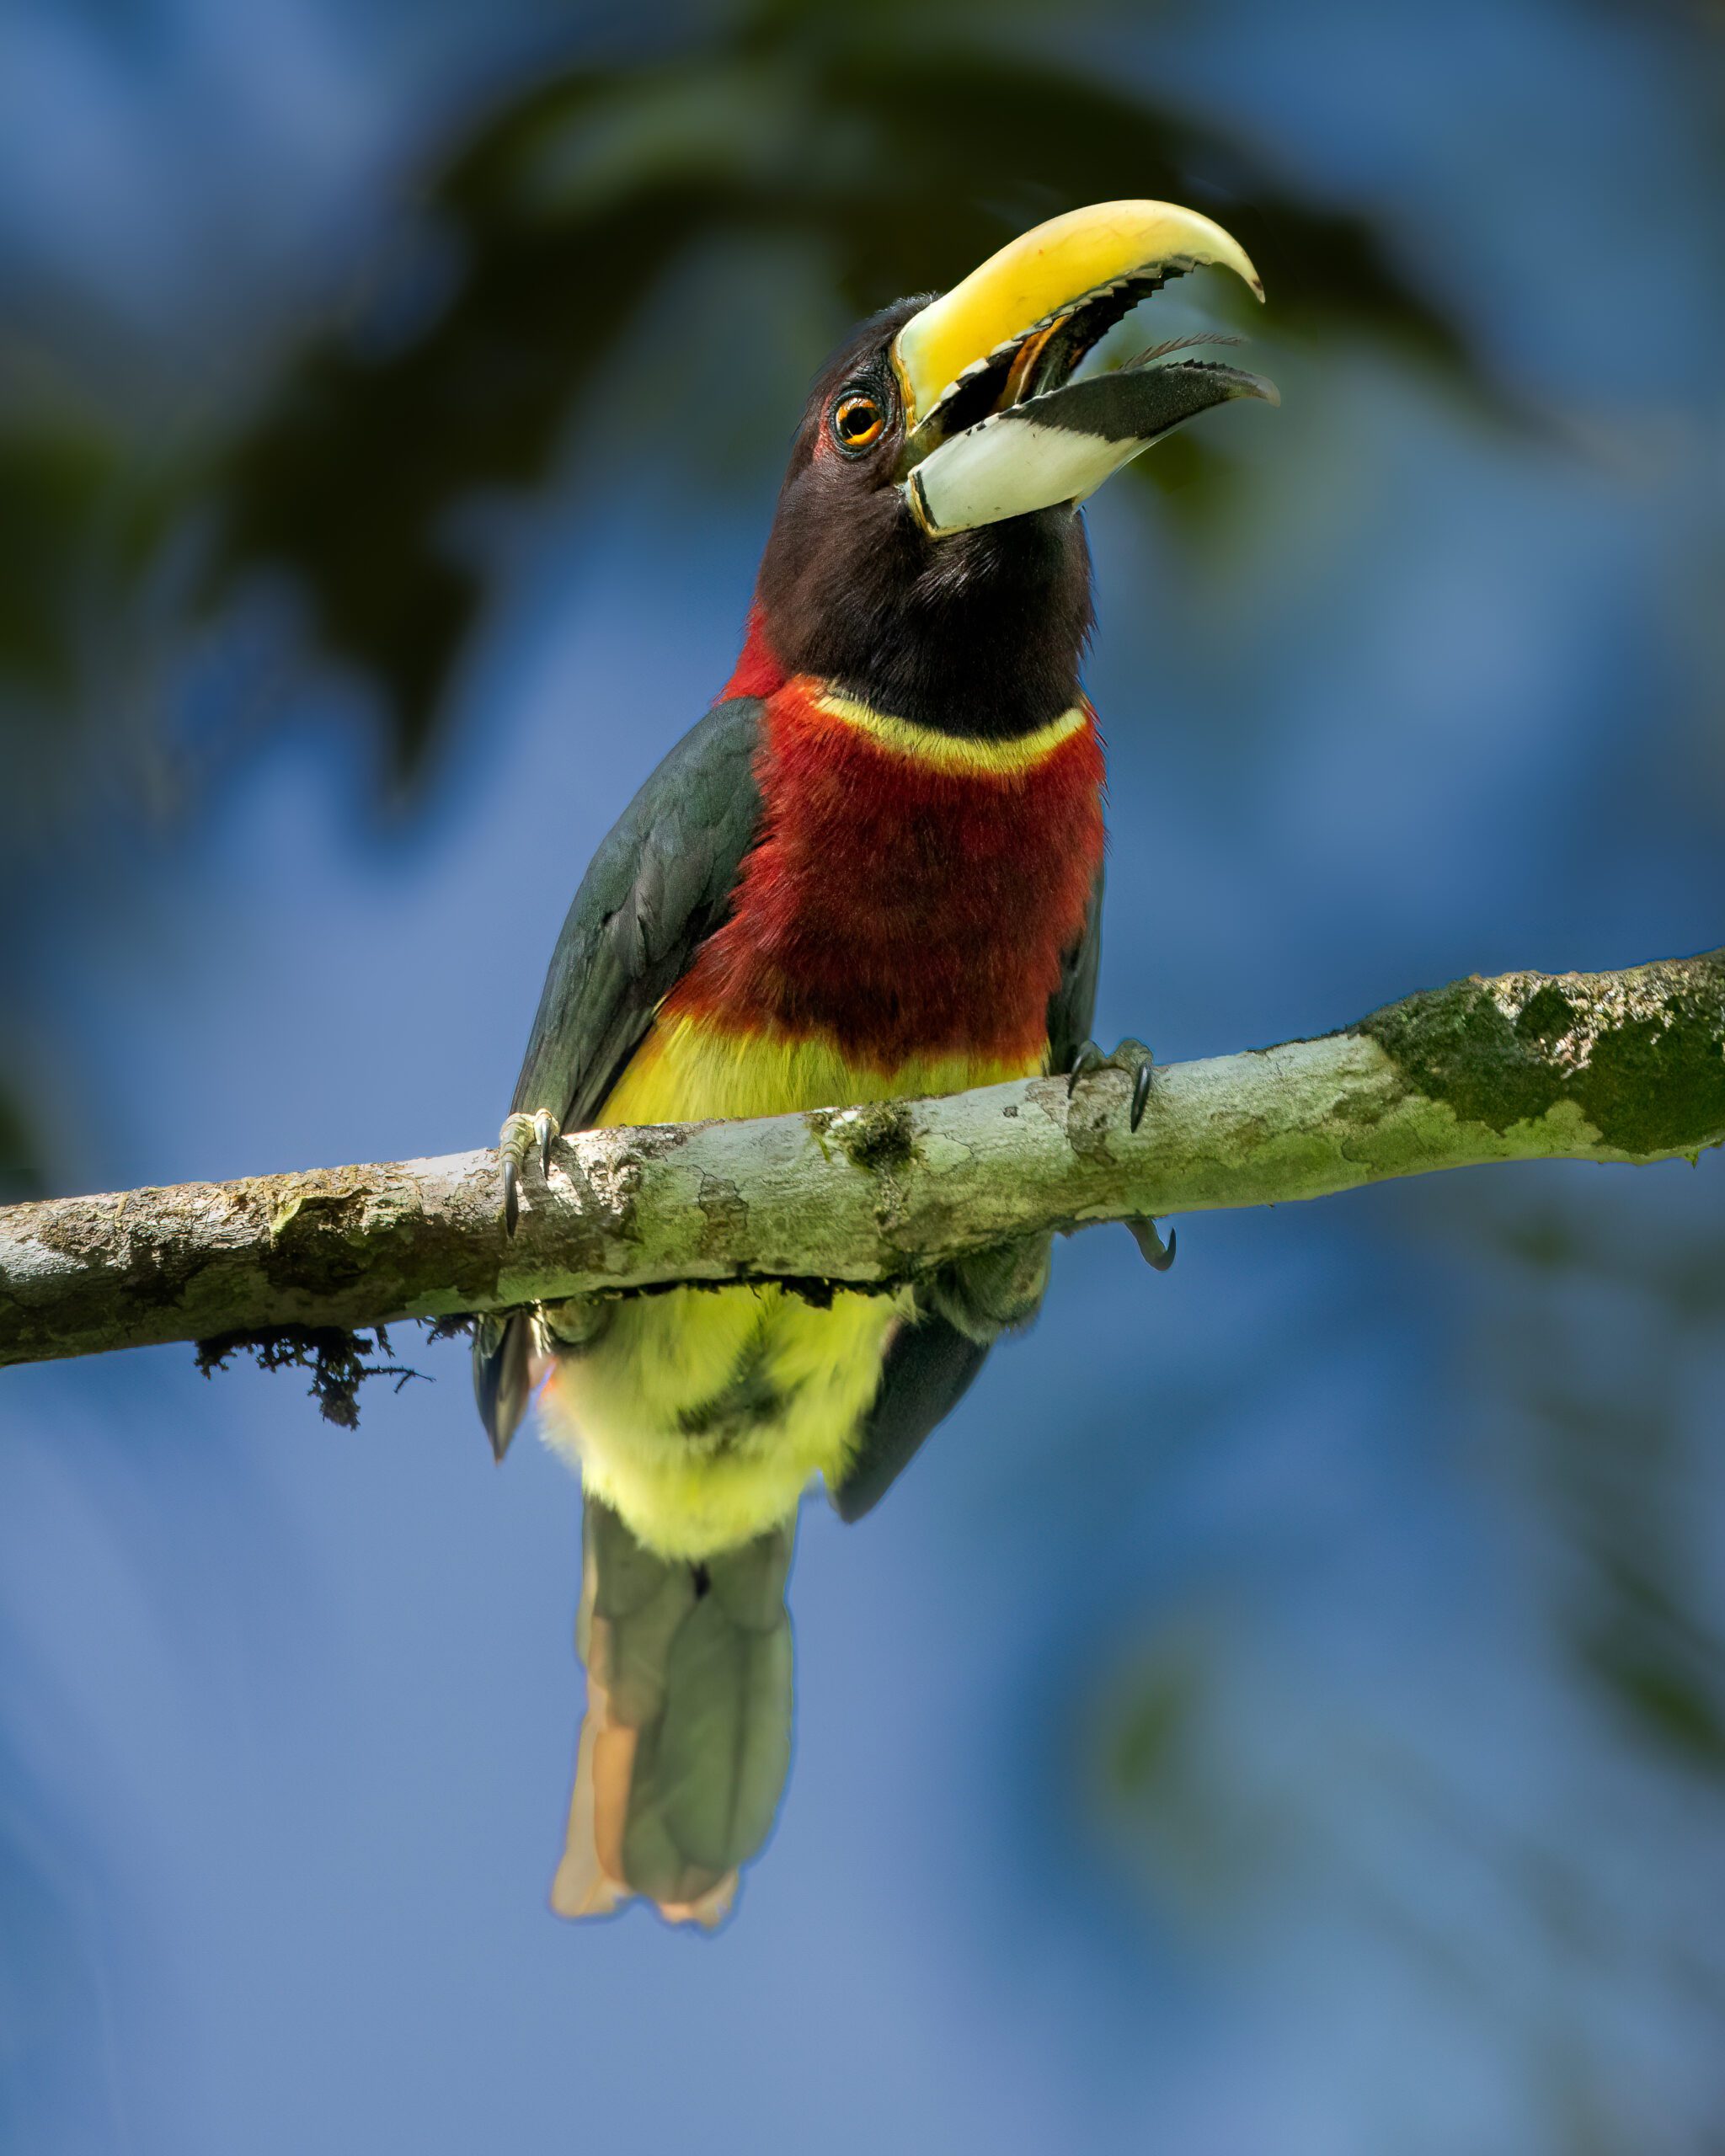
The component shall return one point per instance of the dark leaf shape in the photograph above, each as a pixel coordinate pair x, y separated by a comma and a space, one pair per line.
53, 478
83, 513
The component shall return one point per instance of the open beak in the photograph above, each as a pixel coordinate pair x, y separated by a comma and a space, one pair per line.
995, 425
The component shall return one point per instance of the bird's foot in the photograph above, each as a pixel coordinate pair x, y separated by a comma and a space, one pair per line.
1134, 1058
519, 1135
575, 1326
995, 1290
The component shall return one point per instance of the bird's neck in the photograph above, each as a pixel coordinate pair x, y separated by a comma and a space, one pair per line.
757, 672
973, 704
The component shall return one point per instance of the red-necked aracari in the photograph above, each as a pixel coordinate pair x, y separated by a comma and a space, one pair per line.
872, 870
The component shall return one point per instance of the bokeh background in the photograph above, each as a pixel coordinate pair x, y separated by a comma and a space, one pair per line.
1283, 1714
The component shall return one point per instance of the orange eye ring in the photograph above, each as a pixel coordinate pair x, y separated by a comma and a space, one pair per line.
858, 420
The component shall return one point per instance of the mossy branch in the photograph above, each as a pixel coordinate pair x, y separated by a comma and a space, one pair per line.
1620, 1067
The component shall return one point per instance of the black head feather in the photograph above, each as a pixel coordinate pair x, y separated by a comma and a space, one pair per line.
979, 634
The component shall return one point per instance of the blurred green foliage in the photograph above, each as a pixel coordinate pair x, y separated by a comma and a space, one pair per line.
1612, 1442
1583, 1338
560, 214
536, 241
87, 509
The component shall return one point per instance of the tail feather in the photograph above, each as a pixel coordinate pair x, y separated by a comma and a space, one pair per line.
686, 1743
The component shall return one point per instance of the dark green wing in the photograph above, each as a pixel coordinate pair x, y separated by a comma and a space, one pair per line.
927, 1372
657, 888
1071, 1009
930, 1365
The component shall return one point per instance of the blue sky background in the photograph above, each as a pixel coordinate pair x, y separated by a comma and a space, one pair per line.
1340, 1507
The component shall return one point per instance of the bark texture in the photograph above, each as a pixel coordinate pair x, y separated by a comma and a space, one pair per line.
1614, 1067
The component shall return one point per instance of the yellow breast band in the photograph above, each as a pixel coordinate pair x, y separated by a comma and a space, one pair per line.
951, 752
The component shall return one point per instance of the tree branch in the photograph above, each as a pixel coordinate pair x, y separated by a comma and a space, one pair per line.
1626, 1067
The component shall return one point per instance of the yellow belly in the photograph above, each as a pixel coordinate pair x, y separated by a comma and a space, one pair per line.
700, 1415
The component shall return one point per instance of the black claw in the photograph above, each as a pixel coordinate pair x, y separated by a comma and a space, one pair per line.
1141, 1093
1089, 1058
1157, 1254
514, 1142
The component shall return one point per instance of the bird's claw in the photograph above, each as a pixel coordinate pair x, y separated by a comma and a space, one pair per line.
1089, 1059
1130, 1056
1157, 1254
521, 1134
1140, 1092
1136, 1058
513, 1141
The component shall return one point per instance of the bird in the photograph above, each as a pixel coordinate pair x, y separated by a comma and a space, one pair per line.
874, 870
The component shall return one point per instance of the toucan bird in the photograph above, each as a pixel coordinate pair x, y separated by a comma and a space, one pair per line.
872, 870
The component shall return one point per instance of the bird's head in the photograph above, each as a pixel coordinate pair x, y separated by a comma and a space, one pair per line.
927, 554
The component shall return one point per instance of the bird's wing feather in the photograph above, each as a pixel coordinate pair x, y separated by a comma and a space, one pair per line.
658, 887
1071, 1009
930, 1364
927, 1373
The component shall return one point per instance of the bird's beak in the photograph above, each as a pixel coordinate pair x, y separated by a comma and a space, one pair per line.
995, 425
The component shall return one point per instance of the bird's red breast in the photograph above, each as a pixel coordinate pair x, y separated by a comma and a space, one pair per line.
913, 891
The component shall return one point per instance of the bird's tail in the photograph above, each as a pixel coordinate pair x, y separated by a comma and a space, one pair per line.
686, 1739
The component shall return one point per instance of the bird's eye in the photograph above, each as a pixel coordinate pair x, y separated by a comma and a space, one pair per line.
856, 421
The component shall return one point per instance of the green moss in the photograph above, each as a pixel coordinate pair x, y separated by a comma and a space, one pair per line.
1639, 1054
338, 1360
1547, 1015
879, 1136
1653, 1088
1455, 1045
